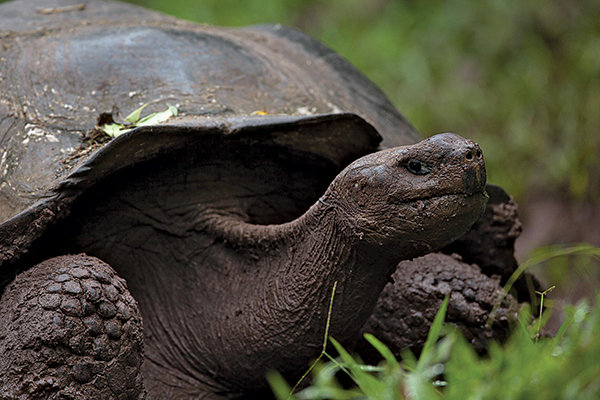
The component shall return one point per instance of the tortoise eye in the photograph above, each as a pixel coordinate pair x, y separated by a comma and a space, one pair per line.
417, 167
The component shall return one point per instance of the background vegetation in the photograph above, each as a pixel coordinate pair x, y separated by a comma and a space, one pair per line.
520, 77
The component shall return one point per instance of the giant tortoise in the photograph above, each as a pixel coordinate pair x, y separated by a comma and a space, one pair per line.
186, 259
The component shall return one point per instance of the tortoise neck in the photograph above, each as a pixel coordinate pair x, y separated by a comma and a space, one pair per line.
304, 258
321, 242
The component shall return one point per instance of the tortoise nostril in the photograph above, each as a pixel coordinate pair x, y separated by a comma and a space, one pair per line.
473, 153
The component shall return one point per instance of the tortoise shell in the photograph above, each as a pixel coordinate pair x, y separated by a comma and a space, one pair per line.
64, 65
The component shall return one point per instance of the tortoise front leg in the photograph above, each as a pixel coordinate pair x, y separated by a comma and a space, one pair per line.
69, 328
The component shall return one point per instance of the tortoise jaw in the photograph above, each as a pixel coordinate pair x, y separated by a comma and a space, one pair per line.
466, 194
445, 218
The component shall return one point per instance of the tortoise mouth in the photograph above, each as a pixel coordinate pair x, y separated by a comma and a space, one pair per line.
442, 209
435, 221
457, 194
451, 211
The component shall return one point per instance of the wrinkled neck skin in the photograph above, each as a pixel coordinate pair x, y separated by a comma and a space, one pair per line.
300, 261
304, 258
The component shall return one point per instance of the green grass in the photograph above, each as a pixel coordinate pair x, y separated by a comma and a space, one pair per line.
564, 367
558, 262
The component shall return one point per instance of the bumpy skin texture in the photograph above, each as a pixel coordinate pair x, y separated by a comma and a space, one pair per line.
69, 329
225, 298
407, 306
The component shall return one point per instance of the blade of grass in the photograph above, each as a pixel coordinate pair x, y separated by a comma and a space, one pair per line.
542, 295
157, 118
369, 384
564, 326
382, 349
326, 335
113, 130
279, 386
418, 381
433, 335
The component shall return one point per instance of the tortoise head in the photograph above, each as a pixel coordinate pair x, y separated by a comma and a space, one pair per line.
419, 197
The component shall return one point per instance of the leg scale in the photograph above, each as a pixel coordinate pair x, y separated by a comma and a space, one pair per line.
70, 329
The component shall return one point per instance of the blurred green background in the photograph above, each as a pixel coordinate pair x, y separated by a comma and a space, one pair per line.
520, 77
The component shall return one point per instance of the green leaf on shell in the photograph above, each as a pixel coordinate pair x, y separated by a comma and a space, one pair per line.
135, 116
113, 129
157, 118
